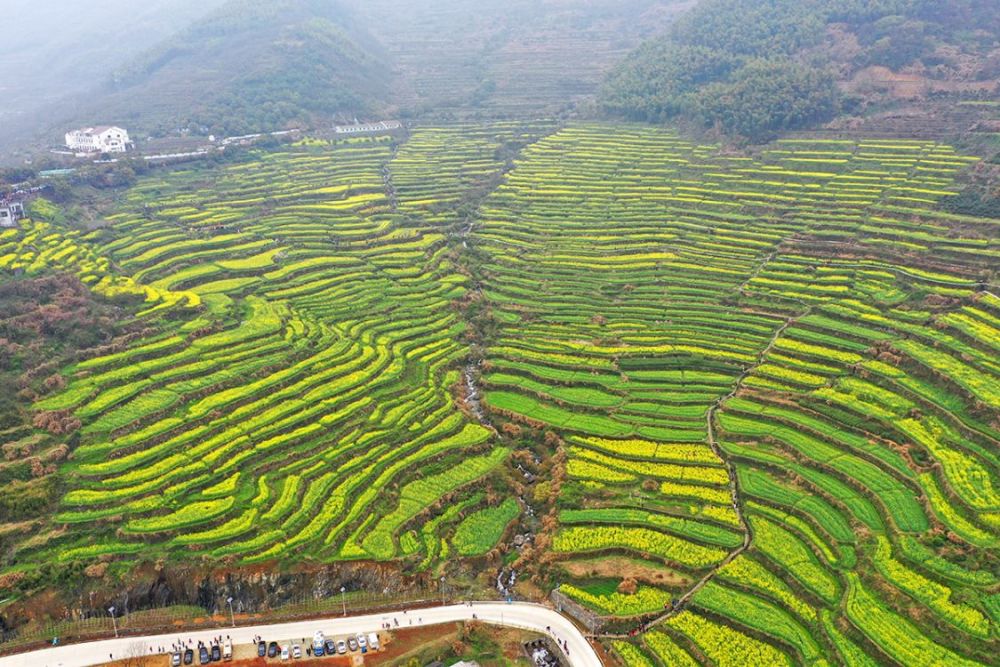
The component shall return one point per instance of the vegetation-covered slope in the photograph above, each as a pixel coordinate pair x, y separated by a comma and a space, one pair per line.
250, 66
756, 68
47, 55
506, 58
804, 332
47, 322
746, 405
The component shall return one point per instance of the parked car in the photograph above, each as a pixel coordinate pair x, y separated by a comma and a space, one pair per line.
296, 651
261, 649
352, 643
188, 656
203, 657
284, 652
373, 640
216, 653
331, 647
362, 643
341, 647
175, 660
227, 650
318, 651
272, 649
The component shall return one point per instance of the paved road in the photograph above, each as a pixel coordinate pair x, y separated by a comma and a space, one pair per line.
519, 614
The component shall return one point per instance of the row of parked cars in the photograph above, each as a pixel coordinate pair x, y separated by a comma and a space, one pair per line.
217, 650
214, 651
321, 645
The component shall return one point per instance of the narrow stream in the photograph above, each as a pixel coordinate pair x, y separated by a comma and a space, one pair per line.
472, 394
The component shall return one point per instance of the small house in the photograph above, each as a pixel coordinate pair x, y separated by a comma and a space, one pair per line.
10, 213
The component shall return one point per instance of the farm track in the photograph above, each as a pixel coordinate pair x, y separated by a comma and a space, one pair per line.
681, 602
813, 441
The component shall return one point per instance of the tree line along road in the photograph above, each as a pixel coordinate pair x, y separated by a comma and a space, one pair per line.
522, 615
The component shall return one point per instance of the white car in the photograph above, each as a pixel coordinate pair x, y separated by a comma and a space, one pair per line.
363, 643
341, 647
296, 651
284, 652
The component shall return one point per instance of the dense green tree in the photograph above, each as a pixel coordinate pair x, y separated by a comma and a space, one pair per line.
893, 41
749, 67
659, 80
768, 96
761, 28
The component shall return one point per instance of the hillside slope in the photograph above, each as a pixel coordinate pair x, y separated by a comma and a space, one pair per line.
507, 58
48, 53
47, 56
755, 68
249, 66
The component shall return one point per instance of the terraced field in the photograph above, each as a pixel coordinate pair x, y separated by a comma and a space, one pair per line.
507, 58
759, 394
801, 329
297, 403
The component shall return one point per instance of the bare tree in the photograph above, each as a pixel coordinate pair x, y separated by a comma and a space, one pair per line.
136, 654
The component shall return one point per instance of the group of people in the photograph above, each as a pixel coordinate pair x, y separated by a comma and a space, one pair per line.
636, 631
386, 625
561, 643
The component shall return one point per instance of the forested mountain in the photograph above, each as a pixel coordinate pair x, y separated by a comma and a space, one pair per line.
46, 53
748, 68
50, 53
251, 65
247, 66
756, 67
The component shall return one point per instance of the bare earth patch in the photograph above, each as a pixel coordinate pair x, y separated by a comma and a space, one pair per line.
624, 568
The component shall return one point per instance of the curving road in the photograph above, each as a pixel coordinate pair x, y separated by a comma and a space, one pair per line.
522, 615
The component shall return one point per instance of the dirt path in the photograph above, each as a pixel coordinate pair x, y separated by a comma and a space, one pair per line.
734, 491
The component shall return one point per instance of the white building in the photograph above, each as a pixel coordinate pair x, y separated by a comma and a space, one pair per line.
10, 213
366, 128
101, 139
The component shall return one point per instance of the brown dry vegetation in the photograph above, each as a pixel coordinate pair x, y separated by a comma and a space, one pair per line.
617, 567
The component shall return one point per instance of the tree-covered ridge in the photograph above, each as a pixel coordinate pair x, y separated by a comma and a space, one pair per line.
253, 66
757, 68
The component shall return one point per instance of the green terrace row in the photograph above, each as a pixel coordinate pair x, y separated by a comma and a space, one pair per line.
863, 368
266, 426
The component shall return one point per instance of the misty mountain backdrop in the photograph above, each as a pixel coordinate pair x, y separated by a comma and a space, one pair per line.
239, 66
250, 65
52, 51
